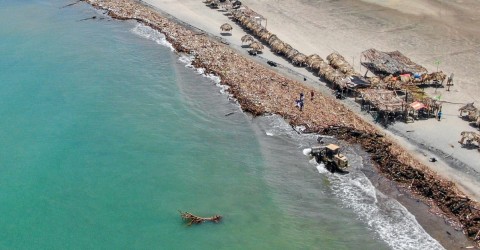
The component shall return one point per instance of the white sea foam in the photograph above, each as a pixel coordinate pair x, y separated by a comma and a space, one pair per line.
386, 216
391, 221
151, 34
269, 133
307, 151
187, 60
154, 35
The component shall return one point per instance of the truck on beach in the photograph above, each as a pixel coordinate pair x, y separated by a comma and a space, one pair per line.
331, 158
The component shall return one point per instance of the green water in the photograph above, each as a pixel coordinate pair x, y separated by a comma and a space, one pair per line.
104, 135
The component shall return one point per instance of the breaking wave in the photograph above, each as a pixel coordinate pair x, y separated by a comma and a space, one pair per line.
389, 219
151, 34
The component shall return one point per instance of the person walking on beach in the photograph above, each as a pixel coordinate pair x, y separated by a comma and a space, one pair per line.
300, 102
439, 115
311, 95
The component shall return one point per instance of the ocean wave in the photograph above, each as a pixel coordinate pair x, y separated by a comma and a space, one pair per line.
386, 216
151, 34
389, 219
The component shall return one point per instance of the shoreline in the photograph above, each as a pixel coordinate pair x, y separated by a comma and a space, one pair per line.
334, 119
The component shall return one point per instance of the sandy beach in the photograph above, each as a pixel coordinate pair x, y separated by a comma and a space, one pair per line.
425, 31
349, 28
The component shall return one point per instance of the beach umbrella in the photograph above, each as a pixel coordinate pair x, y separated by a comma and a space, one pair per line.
315, 65
242, 19
277, 45
299, 59
265, 36
246, 21
290, 52
247, 38
250, 24
237, 14
312, 58
256, 46
226, 27
258, 30
286, 48
261, 33
272, 38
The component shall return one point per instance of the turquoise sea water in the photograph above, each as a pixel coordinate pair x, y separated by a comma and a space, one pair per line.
105, 134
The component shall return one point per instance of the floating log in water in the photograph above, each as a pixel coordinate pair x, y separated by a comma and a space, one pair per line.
71, 4
88, 18
193, 219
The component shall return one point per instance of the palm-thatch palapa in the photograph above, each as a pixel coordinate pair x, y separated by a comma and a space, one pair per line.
312, 58
272, 38
247, 39
299, 59
256, 46
315, 65
266, 36
290, 52
470, 109
277, 46
258, 29
338, 62
226, 27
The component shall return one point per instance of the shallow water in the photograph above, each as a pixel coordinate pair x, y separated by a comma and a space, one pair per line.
106, 134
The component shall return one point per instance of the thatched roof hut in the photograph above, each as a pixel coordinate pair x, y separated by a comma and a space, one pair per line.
338, 62
247, 38
291, 53
299, 59
226, 27
390, 63
471, 111
261, 33
312, 58
251, 24
256, 46
272, 38
286, 49
383, 100
315, 65
236, 14
257, 30
277, 46
468, 107
242, 19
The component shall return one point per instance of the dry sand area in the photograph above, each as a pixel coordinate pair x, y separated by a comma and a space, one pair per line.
426, 31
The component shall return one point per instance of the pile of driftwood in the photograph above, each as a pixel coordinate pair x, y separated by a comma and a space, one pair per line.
193, 219
392, 160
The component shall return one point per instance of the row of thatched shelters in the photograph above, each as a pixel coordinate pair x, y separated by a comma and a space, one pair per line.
251, 21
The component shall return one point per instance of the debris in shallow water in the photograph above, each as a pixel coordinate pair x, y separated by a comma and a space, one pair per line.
71, 4
193, 219
93, 17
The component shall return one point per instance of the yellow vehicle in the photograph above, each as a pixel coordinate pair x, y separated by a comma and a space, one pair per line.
331, 157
